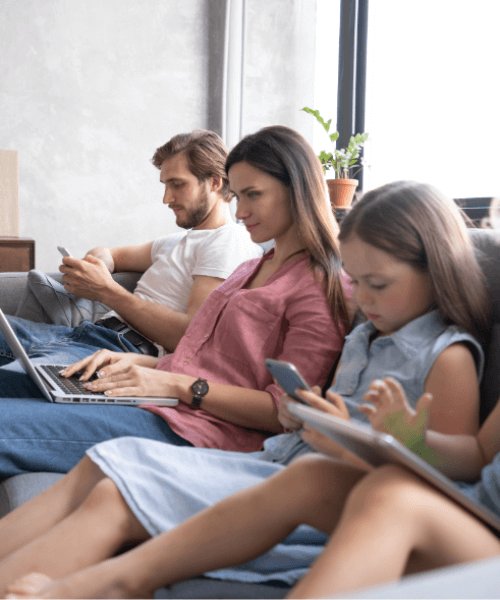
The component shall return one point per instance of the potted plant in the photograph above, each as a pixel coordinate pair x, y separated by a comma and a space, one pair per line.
342, 188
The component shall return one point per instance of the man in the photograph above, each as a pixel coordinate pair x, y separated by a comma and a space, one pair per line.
178, 278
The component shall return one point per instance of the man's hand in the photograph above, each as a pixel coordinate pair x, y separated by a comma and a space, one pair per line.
88, 278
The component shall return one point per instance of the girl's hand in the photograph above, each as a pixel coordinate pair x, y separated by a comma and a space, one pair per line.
285, 417
90, 364
333, 405
322, 443
390, 412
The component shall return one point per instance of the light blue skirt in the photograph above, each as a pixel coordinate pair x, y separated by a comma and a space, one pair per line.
164, 485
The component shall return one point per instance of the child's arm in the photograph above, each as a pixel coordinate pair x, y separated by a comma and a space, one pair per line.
453, 383
457, 456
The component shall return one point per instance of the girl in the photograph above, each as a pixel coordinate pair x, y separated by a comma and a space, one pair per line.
400, 244
417, 526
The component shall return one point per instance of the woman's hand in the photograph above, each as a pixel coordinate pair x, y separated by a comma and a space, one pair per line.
125, 378
390, 412
102, 358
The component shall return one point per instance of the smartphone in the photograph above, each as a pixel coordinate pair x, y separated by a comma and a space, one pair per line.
63, 251
287, 376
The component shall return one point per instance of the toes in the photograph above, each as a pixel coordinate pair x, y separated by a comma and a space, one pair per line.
27, 586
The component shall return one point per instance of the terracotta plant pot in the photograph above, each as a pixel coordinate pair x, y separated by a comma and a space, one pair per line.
341, 192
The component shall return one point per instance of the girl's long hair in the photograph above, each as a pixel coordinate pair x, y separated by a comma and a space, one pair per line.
285, 155
417, 224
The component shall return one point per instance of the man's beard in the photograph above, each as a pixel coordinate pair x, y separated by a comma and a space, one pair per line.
197, 215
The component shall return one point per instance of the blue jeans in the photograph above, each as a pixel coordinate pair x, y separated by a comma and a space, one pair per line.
37, 435
57, 344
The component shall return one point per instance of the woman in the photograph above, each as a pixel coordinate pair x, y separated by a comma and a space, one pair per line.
288, 305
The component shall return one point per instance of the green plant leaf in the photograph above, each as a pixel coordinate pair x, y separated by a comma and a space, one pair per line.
342, 158
319, 118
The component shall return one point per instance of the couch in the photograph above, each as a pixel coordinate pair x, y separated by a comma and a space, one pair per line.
16, 299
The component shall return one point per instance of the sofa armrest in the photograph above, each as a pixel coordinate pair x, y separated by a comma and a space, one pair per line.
12, 288
17, 299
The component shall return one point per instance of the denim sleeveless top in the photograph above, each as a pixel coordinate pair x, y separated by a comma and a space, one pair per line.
407, 355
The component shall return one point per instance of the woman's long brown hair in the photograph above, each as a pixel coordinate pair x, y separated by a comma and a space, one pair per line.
417, 224
284, 154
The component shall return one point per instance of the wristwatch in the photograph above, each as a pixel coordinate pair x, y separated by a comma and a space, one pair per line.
199, 389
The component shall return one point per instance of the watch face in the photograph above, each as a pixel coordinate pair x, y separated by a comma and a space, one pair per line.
200, 387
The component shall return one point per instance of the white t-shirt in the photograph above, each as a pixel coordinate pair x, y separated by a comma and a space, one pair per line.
179, 257
210, 252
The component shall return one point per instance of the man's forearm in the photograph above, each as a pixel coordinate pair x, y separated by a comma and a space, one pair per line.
159, 323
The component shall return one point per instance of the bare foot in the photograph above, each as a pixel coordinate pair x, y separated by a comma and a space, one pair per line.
28, 586
94, 582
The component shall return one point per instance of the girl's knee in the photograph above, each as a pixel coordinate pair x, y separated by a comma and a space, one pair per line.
104, 492
323, 477
107, 502
312, 469
388, 488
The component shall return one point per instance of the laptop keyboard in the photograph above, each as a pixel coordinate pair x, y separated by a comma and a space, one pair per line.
70, 385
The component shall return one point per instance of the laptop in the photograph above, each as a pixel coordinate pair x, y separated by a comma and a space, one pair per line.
377, 449
67, 390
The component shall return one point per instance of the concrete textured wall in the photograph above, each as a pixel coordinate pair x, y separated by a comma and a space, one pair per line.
88, 90
278, 72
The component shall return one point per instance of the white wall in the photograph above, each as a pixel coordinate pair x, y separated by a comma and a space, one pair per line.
88, 91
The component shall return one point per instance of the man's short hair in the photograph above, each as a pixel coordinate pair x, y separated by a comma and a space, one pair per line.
206, 156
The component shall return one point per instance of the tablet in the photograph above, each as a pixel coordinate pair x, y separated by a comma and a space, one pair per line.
377, 449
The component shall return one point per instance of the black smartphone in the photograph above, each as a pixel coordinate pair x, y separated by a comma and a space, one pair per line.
287, 376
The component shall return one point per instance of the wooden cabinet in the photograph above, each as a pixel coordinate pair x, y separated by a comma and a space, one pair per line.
16, 254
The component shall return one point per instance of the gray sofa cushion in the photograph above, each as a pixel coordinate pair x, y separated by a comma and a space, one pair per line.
479, 579
487, 244
17, 490
32, 305
203, 587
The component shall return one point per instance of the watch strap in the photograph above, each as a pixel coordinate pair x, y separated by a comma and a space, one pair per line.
196, 402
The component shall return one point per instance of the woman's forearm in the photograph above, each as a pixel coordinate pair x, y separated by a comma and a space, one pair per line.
245, 407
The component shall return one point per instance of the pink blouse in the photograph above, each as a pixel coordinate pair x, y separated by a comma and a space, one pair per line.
288, 318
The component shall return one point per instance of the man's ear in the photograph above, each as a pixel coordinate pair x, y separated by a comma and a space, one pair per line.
216, 183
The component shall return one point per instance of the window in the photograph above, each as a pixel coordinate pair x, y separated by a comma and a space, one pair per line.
432, 94
326, 70
432, 101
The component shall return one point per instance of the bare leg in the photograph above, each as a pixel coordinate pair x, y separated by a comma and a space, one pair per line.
312, 491
40, 514
96, 530
394, 523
